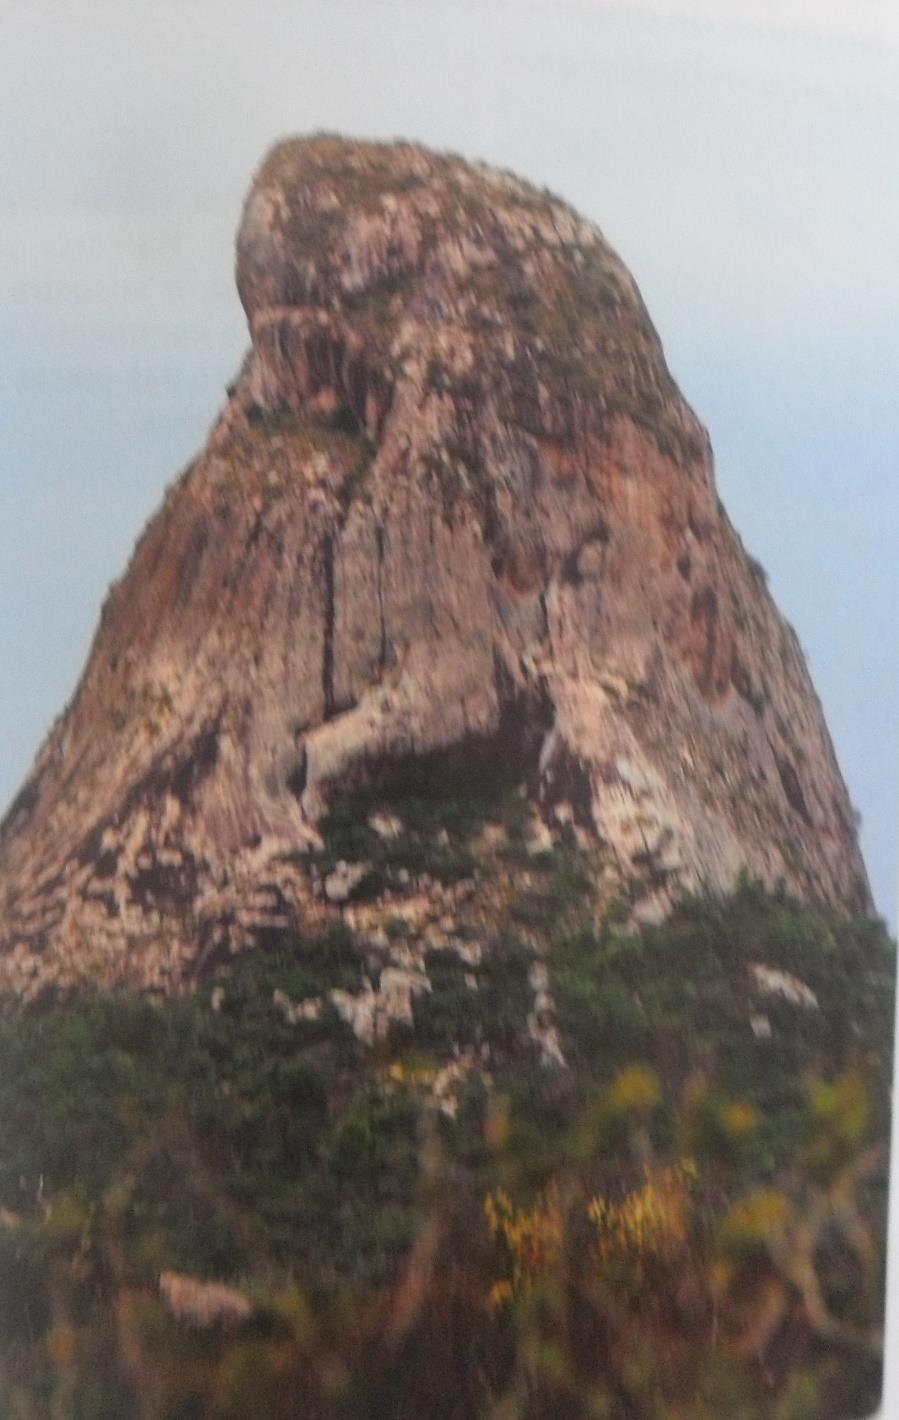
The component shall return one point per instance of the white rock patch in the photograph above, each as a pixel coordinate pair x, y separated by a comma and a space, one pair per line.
772, 982
370, 1012
340, 883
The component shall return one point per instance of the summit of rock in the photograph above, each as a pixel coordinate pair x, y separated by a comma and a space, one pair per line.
454, 525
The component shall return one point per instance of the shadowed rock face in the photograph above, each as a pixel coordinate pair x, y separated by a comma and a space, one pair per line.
454, 508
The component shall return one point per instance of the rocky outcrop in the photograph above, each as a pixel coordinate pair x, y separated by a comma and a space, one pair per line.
455, 510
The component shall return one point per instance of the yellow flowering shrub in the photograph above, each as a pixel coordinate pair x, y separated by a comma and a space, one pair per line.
635, 1090
839, 1116
739, 1119
755, 1220
533, 1236
651, 1221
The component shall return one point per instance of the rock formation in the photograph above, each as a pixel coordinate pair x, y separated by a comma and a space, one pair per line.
454, 514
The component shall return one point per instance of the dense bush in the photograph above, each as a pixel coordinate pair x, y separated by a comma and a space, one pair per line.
438, 807
688, 1220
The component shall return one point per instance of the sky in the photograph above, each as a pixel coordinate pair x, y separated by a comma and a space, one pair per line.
742, 157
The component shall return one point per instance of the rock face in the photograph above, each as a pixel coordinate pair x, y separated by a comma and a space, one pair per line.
454, 511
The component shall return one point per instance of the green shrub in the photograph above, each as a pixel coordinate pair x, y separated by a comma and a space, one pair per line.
227, 1143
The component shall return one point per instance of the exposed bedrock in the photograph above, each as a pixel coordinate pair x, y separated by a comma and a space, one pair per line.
454, 506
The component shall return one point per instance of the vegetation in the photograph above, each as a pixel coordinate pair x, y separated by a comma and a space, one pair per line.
687, 1221
336, 433
433, 829
584, 333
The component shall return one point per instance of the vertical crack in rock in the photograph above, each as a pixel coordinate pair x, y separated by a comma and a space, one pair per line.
328, 639
545, 634
381, 544
704, 620
793, 789
296, 779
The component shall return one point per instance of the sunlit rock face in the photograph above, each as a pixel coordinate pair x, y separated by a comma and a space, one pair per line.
455, 516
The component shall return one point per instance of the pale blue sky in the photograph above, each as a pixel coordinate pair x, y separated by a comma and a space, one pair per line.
747, 171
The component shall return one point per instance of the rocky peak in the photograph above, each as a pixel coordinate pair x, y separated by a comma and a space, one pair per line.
455, 528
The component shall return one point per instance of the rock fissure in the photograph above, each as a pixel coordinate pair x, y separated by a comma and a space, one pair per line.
383, 645
455, 522
328, 701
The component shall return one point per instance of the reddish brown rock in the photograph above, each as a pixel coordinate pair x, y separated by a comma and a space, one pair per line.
455, 503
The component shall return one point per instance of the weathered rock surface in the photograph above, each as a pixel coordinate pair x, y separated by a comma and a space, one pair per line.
455, 505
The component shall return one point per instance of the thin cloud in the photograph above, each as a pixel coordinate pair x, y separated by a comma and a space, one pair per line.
874, 22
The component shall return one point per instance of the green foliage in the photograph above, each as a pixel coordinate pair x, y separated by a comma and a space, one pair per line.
338, 432
192, 1125
564, 883
299, 966
492, 1011
656, 1195
434, 838
680, 996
